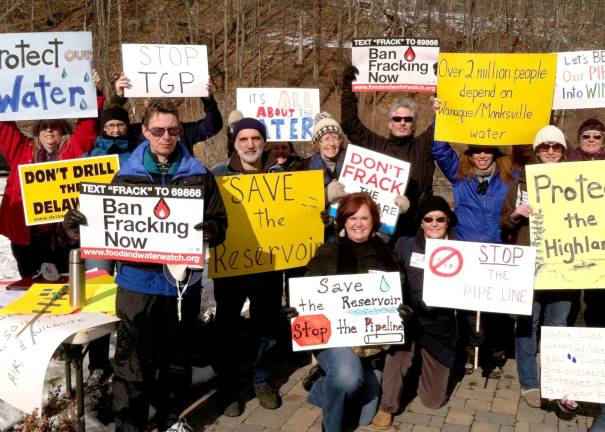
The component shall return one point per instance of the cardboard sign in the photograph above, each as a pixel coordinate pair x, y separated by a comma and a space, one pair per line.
275, 222
346, 310
382, 177
46, 76
580, 80
479, 276
24, 358
568, 200
573, 363
157, 70
50, 189
497, 99
395, 64
142, 223
287, 113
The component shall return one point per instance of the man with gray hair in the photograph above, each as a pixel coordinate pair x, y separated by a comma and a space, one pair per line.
401, 144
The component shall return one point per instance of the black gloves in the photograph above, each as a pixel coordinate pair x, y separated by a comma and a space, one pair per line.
350, 73
210, 229
325, 218
405, 313
289, 312
73, 219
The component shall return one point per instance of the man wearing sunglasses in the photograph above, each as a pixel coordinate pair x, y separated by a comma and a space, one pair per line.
402, 143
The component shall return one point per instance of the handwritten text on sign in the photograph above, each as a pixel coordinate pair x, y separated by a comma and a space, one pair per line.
580, 80
143, 223
24, 359
346, 310
573, 363
46, 75
287, 113
158, 70
50, 189
382, 177
494, 98
395, 64
479, 276
278, 223
567, 225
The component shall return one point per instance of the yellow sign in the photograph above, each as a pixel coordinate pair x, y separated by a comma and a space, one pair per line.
101, 298
274, 222
50, 189
497, 99
568, 200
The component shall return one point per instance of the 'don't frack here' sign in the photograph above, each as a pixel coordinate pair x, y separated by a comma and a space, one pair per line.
346, 310
580, 80
142, 223
380, 176
46, 76
395, 64
50, 189
277, 222
497, 99
287, 113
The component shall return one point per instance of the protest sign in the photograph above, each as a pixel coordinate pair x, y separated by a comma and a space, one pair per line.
46, 76
568, 203
50, 189
287, 113
24, 358
142, 223
497, 99
479, 276
157, 70
278, 224
395, 64
346, 310
572, 363
380, 176
580, 80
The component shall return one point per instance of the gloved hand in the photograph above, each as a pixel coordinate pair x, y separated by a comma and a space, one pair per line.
210, 229
289, 312
405, 313
73, 219
335, 191
350, 73
325, 217
402, 202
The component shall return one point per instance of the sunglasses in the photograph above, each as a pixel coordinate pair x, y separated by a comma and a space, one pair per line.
407, 119
159, 132
440, 219
588, 136
556, 148
44, 126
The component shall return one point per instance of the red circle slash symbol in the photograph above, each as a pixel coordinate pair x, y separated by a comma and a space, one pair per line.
446, 261
311, 330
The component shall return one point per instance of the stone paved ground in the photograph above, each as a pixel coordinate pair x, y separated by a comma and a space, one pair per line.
472, 407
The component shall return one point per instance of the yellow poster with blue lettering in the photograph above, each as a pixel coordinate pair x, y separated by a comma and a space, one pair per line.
566, 227
50, 189
497, 99
274, 222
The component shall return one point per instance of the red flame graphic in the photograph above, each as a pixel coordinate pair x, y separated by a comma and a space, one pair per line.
161, 209
409, 54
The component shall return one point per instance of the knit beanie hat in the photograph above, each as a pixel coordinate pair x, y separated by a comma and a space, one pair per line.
114, 113
591, 124
250, 123
234, 117
323, 124
549, 134
432, 203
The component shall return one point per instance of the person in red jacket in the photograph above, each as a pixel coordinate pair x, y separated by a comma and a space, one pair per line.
51, 140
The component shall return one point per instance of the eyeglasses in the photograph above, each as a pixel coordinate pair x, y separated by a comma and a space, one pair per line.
44, 126
556, 148
159, 132
407, 119
588, 136
115, 126
440, 219
329, 139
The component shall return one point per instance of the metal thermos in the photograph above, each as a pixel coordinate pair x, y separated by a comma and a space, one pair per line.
77, 280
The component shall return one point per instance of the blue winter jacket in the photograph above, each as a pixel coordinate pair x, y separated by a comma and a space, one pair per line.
478, 215
106, 145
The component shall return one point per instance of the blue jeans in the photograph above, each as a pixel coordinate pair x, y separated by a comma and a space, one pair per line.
555, 314
599, 422
347, 389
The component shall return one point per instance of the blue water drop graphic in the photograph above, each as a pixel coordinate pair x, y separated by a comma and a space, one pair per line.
64, 74
83, 105
572, 358
384, 286
86, 77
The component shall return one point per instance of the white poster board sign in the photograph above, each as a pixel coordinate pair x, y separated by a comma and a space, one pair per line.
346, 310
395, 64
157, 70
382, 177
479, 276
46, 76
142, 223
287, 113
573, 363
24, 358
580, 81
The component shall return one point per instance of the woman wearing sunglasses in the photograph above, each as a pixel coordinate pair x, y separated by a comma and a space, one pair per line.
590, 142
549, 147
